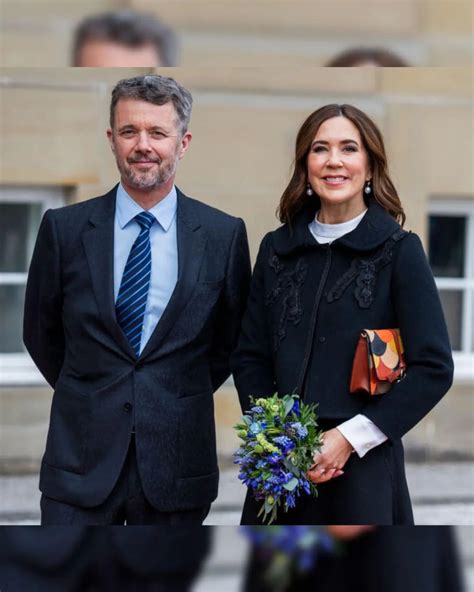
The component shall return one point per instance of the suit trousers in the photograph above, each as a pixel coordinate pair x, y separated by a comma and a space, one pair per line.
127, 504
111, 578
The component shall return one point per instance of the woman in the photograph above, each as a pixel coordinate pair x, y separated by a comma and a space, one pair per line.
342, 263
399, 559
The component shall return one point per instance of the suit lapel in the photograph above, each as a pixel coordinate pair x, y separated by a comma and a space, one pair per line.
98, 241
191, 244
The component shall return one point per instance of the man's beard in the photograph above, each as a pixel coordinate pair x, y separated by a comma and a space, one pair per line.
147, 180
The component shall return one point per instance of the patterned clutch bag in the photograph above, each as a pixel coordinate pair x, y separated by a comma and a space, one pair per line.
378, 361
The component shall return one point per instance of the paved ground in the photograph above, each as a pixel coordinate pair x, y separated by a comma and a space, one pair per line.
442, 493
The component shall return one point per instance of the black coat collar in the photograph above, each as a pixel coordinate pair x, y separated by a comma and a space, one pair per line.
373, 230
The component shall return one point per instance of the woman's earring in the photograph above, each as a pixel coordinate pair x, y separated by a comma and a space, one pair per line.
309, 190
368, 188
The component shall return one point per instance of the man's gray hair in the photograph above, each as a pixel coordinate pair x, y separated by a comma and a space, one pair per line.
158, 90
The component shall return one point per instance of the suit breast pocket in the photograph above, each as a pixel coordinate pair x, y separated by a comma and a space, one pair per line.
68, 429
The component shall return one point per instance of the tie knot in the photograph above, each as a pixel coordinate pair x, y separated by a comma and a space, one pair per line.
145, 219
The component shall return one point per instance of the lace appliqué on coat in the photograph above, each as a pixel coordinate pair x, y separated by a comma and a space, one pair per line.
364, 272
288, 289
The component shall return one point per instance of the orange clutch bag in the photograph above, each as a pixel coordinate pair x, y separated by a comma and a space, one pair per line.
378, 361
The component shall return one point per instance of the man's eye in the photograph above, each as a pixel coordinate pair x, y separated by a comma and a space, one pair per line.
157, 135
127, 133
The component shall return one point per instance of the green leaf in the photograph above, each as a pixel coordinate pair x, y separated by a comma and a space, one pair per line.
288, 406
291, 484
291, 467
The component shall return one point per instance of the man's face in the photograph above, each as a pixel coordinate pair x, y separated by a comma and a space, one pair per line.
147, 143
100, 53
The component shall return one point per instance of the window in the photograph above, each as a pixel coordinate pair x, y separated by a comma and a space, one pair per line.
451, 256
21, 210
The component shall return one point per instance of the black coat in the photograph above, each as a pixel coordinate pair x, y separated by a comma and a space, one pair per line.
308, 304
101, 388
392, 559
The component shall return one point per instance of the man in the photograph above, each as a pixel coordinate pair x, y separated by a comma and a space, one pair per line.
133, 306
81, 559
124, 38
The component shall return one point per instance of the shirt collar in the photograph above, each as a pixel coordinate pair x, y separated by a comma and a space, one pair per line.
127, 208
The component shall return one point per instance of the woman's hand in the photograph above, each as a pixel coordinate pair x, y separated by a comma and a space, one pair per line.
331, 458
346, 533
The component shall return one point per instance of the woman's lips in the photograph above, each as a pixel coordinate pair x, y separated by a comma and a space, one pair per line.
339, 180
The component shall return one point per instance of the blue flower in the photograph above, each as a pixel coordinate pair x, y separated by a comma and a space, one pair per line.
300, 429
255, 427
296, 407
306, 485
273, 458
284, 442
257, 409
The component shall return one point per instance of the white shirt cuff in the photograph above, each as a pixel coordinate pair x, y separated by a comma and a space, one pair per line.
362, 434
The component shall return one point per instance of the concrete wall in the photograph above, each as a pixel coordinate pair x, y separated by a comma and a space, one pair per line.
280, 33
244, 124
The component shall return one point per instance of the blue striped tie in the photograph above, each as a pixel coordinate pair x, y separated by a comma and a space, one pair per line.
133, 293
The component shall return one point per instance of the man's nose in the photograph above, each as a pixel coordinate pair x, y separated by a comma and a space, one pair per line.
143, 142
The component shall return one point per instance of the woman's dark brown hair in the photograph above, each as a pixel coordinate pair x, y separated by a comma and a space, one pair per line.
294, 198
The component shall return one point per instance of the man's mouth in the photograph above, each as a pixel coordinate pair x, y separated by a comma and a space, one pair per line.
144, 163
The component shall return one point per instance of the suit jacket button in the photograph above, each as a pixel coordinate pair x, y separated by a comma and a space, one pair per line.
128, 407
138, 365
322, 339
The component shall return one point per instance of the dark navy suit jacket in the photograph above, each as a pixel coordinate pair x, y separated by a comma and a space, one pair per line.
101, 388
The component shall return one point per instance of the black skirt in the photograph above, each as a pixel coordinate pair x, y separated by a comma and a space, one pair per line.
372, 490
389, 559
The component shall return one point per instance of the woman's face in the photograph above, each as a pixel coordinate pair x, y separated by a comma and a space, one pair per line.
338, 163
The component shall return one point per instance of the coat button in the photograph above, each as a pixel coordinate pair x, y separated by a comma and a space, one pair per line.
138, 365
128, 407
322, 339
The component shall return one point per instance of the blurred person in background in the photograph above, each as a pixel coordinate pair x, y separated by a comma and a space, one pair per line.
366, 56
110, 559
388, 559
342, 263
124, 38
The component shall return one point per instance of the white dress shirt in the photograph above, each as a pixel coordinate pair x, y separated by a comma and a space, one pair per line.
359, 431
164, 252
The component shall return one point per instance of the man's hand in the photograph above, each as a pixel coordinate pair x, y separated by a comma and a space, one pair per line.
330, 460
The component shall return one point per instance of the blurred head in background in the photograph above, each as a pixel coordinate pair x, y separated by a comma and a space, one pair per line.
124, 38
367, 56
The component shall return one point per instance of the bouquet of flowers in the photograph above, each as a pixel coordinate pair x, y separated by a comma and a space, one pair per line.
288, 551
280, 436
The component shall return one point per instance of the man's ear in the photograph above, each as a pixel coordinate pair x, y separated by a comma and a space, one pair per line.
110, 138
185, 141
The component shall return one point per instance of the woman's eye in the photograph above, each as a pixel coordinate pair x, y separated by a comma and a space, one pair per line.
350, 149
319, 148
